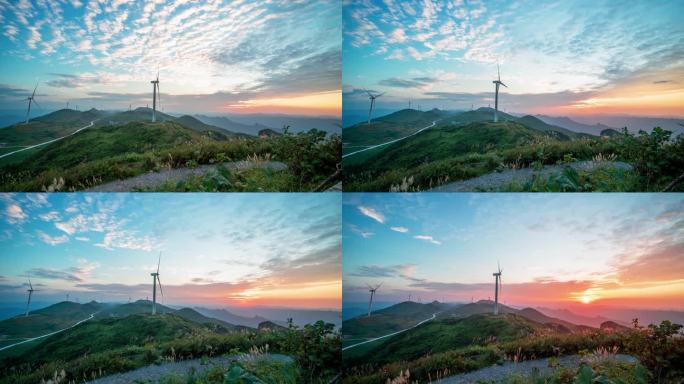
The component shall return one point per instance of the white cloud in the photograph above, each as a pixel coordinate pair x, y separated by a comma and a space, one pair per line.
82, 238
49, 216
125, 240
373, 214
397, 36
400, 229
427, 238
52, 240
15, 214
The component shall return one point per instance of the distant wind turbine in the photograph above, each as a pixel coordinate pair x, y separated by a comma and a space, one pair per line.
497, 82
155, 280
30, 292
31, 99
497, 277
372, 292
155, 96
372, 98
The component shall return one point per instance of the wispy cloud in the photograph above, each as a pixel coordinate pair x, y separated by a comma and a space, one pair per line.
400, 229
372, 213
427, 238
52, 240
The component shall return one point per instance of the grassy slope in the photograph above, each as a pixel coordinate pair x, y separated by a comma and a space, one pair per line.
47, 320
447, 141
446, 334
388, 320
47, 127
110, 333
392, 126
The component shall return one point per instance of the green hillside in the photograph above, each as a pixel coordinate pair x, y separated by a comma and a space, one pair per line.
51, 126
447, 141
554, 131
206, 129
46, 320
389, 127
388, 320
445, 334
110, 333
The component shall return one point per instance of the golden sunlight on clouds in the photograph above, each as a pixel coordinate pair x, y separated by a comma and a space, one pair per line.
319, 294
323, 103
663, 290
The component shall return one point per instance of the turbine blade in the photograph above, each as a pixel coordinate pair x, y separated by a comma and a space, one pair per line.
368, 92
503, 84
30, 285
158, 262
34, 90
160, 287
376, 96
379, 285
498, 74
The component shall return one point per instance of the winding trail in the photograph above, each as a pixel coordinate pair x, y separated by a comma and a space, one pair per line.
499, 372
47, 334
391, 141
152, 373
49, 141
391, 334
498, 180
154, 179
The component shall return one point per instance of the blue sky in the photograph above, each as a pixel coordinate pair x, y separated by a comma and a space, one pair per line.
215, 56
553, 248
571, 57
217, 249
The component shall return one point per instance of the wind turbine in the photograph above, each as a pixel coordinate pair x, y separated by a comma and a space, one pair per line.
497, 277
372, 292
155, 96
31, 99
155, 280
497, 82
372, 98
30, 291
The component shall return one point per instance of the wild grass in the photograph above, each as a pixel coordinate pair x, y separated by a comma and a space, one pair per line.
113, 153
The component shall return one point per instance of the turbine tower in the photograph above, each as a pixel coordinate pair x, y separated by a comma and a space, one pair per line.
31, 99
155, 280
497, 278
497, 82
372, 98
155, 96
30, 291
372, 292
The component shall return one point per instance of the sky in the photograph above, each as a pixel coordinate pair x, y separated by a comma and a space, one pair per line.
212, 56
217, 250
569, 251
584, 57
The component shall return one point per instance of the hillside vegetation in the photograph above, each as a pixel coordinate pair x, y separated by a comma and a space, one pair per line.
462, 340
116, 341
467, 145
117, 149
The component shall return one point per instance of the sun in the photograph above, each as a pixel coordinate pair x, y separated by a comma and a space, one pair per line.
586, 299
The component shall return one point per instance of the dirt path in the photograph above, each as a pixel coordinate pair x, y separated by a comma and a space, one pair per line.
152, 179
497, 180
498, 372
154, 372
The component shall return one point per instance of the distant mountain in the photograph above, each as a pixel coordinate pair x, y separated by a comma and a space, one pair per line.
232, 318
253, 123
611, 326
572, 317
271, 326
555, 131
595, 124
225, 123
297, 123
299, 316
572, 125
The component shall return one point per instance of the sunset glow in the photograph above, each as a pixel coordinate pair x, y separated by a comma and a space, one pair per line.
104, 246
614, 250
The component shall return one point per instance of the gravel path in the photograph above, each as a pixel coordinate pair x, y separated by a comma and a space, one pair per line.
499, 372
498, 180
152, 179
155, 372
